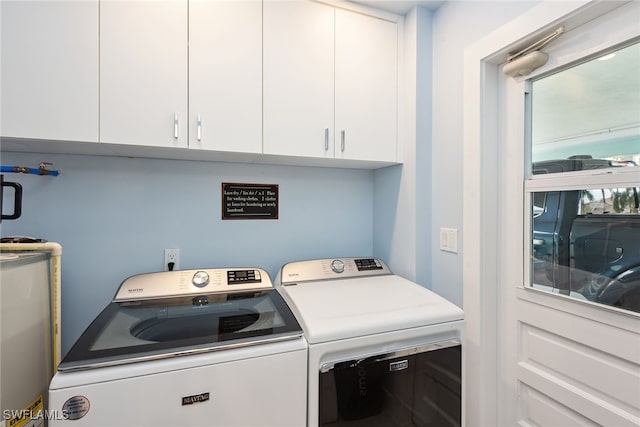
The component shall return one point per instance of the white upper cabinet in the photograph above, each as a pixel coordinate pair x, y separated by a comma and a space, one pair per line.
225, 75
330, 82
298, 78
303, 80
143, 72
49, 57
366, 87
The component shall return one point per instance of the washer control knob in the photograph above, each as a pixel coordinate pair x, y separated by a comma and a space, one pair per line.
337, 266
200, 279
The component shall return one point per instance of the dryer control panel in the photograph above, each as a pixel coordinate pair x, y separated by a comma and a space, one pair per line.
187, 282
331, 268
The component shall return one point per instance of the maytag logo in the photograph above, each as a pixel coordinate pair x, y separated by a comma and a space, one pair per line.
136, 290
196, 398
398, 366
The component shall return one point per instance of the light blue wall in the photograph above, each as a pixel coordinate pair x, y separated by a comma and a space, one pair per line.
456, 25
413, 201
424, 128
114, 217
402, 200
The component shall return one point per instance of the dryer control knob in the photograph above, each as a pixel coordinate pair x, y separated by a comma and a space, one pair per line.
337, 266
200, 279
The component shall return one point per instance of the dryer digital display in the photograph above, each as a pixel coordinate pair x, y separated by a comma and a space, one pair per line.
368, 264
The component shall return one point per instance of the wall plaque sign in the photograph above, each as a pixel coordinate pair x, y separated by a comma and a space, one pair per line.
249, 201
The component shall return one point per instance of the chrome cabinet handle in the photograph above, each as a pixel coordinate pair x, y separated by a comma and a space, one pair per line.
342, 140
199, 127
175, 125
326, 139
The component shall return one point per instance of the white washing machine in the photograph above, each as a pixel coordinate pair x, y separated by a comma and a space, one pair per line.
214, 347
383, 351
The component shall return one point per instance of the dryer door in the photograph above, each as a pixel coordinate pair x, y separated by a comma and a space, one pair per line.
414, 387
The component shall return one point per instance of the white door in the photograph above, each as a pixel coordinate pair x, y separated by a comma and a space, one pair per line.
225, 75
562, 360
143, 72
366, 87
49, 70
298, 78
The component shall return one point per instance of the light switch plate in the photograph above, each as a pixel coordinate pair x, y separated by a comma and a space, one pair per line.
449, 240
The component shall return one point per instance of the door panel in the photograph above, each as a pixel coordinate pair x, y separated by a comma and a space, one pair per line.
585, 377
562, 361
540, 410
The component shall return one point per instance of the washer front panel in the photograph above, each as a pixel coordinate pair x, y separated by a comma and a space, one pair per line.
235, 388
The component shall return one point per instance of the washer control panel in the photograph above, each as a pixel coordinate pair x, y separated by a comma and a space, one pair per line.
196, 282
331, 268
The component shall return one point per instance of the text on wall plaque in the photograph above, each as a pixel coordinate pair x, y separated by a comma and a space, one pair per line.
249, 201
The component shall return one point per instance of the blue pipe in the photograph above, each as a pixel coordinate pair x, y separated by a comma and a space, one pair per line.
20, 169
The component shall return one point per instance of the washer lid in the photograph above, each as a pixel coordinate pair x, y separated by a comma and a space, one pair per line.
339, 309
148, 329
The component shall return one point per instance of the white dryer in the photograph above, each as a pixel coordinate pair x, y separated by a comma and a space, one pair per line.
214, 347
383, 351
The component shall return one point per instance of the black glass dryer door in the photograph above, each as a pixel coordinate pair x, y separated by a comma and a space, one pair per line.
421, 390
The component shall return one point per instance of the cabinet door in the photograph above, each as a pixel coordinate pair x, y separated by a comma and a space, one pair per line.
225, 75
298, 78
143, 72
366, 87
49, 57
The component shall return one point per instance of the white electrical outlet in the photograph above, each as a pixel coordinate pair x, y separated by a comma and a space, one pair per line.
171, 256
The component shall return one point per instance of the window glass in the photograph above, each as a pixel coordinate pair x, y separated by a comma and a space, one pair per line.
586, 244
585, 239
590, 109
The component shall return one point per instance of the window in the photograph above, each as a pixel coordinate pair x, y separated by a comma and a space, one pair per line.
584, 184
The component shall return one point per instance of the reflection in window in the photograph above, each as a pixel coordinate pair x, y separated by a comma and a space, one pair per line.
539, 200
609, 201
590, 109
586, 244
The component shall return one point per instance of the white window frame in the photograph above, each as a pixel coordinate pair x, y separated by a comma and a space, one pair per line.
576, 180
